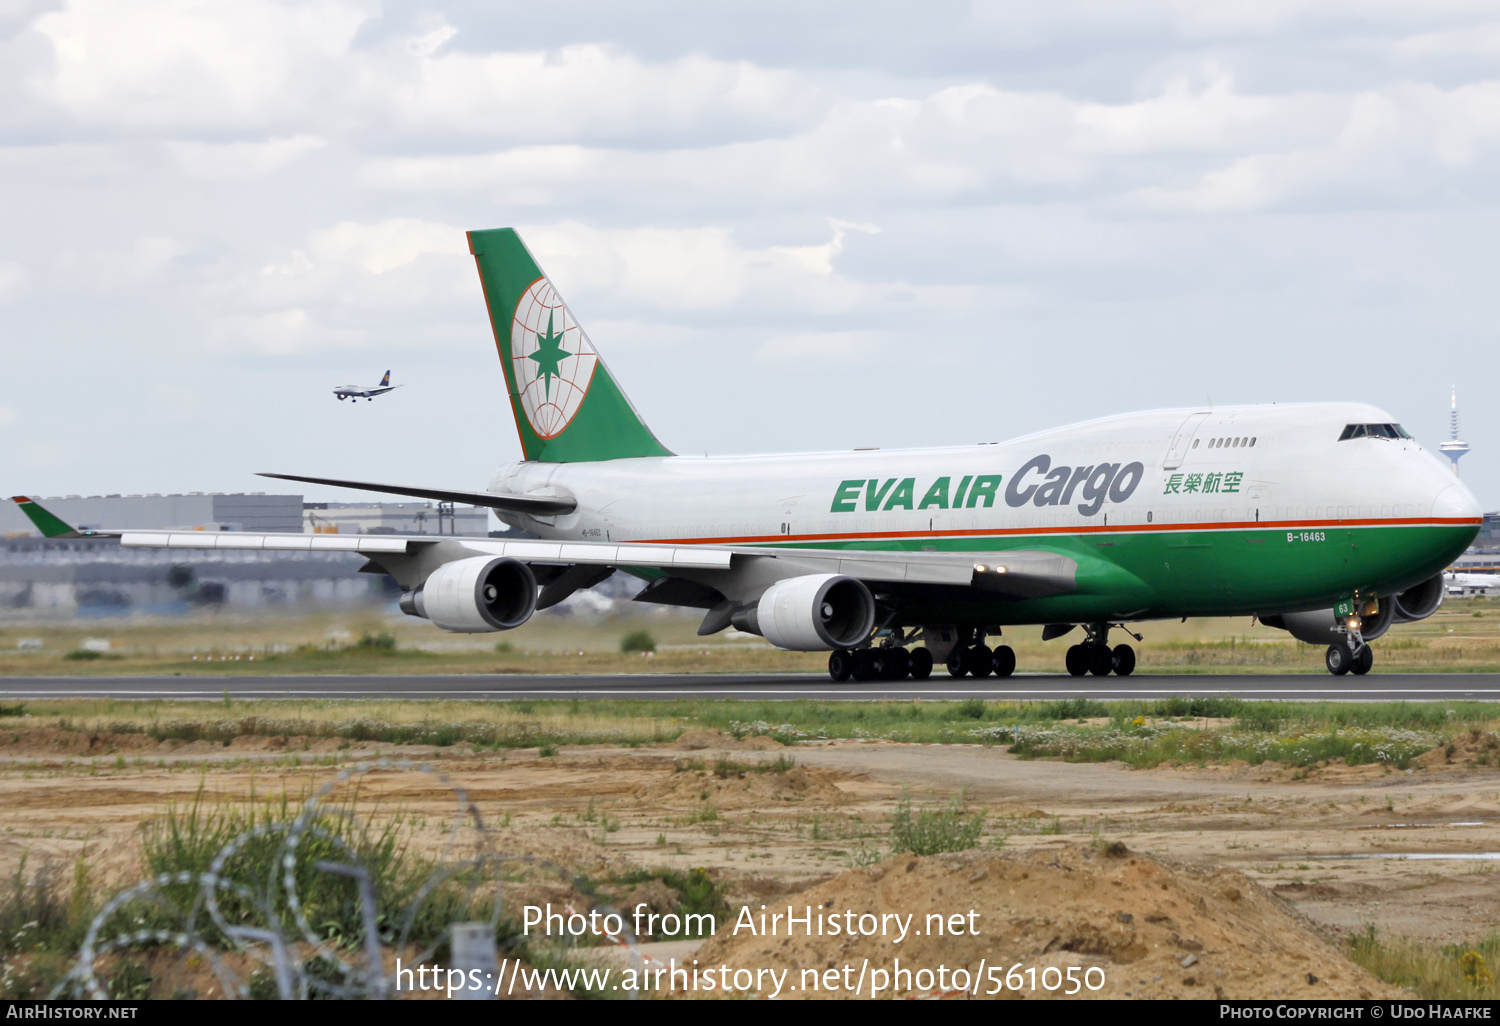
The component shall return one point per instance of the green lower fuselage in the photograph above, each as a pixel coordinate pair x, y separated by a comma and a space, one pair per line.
1204, 572
1233, 511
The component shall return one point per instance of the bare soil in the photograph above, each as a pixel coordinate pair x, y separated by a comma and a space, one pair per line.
1307, 852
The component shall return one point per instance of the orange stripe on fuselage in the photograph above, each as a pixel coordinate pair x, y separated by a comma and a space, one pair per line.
1264, 525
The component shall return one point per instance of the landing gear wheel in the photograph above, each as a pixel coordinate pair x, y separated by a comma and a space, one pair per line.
1124, 657
959, 662
894, 663
1077, 660
1338, 660
921, 664
1101, 660
1005, 661
981, 661
840, 665
864, 665
1363, 661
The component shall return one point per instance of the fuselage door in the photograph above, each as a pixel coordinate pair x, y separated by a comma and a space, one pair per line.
1182, 441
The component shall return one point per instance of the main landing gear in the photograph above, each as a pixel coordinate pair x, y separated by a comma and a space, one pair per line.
891, 663
978, 660
1093, 654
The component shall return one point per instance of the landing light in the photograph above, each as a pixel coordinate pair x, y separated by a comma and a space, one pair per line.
999, 569
980, 568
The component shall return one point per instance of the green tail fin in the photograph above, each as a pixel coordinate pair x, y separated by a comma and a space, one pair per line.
49, 525
567, 406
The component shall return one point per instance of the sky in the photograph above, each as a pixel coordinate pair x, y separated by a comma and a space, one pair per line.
785, 226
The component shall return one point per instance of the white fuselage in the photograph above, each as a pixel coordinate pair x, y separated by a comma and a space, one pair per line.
1295, 471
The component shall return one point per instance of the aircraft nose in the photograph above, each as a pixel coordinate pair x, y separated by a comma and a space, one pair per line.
1456, 502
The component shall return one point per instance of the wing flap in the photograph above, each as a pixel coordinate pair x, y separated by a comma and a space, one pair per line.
260, 542
1017, 573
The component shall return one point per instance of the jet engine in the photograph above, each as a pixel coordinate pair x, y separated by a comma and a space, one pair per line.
1419, 601
475, 595
815, 613
1316, 627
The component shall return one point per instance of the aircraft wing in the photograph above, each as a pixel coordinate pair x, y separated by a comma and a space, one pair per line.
1015, 573
1018, 573
536, 505
664, 557
707, 569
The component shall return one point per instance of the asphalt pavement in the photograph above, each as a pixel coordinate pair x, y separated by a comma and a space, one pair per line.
499, 687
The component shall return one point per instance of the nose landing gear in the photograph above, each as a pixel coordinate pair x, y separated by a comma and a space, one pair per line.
1353, 655
1093, 655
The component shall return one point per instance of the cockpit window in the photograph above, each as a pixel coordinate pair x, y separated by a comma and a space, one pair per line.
1373, 431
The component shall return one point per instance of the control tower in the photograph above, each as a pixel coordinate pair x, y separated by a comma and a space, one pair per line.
1453, 448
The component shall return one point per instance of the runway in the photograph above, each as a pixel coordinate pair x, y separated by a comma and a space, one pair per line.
1395, 687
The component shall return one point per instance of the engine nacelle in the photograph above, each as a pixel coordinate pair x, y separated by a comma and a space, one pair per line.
476, 595
815, 613
1419, 601
1317, 626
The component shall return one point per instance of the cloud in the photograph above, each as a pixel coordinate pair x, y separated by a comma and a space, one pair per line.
280, 333
1389, 145
180, 65
694, 271
833, 348
959, 145
227, 162
8, 416
13, 279
384, 246
146, 261
819, 259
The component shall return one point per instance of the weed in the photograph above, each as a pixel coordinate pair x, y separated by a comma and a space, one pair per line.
638, 641
931, 831
1073, 709
382, 642
1455, 971
970, 708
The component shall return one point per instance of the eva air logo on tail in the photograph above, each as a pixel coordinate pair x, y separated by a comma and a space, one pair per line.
551, 358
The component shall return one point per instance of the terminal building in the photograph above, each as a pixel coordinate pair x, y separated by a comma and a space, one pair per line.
96, 576
394, 518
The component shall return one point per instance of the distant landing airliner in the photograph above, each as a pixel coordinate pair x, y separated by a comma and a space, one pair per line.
368, 392
1327, 520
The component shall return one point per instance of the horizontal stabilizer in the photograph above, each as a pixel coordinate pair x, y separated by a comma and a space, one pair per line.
536, 505
49, 525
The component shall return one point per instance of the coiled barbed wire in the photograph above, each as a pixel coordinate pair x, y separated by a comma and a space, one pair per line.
302, 962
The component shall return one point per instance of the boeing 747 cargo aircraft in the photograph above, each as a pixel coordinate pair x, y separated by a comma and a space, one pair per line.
1326, 520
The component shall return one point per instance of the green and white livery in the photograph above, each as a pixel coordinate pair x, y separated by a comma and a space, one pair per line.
1324, 519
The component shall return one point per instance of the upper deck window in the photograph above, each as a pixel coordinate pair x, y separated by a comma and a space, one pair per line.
1373, 431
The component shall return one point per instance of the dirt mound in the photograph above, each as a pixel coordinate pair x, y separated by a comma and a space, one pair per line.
737, 788
1156, 929
698, 740
1298, 890
1476, 748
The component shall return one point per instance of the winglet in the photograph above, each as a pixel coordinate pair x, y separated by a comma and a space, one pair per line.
49, 525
